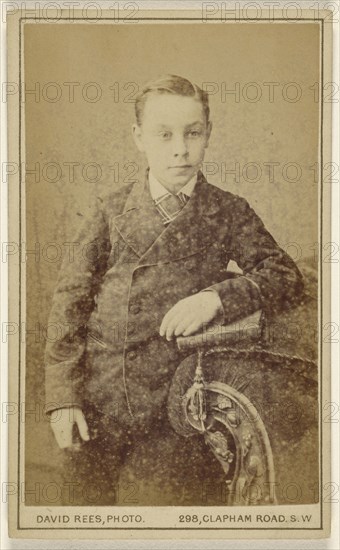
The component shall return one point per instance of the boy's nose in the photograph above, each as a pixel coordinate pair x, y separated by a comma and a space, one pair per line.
180, 147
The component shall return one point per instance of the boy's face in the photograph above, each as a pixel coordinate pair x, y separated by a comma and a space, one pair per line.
173, 135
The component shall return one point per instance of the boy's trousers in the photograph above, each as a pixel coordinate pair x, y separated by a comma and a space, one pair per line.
135, 467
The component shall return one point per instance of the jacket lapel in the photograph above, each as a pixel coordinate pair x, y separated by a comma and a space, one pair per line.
140, 223
195, 227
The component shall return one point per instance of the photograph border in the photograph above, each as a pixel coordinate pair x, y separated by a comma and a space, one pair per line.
17, 279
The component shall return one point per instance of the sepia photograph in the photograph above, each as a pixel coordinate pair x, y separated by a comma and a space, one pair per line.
169, 272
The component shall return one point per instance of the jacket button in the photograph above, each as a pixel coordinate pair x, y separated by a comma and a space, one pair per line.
131, 355
130, 329
134, 309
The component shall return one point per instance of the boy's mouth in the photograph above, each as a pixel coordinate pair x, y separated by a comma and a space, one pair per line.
181, 166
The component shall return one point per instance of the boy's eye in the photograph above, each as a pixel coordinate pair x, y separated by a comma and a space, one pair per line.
194, 133
165, 135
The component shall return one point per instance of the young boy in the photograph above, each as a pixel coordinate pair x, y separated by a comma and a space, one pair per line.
152, 266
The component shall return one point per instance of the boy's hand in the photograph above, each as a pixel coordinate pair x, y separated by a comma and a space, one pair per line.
190, 314
62, 422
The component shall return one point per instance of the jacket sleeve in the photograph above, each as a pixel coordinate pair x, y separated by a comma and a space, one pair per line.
79, 278
270, 281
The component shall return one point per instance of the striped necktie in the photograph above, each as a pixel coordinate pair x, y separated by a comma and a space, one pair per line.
169, 206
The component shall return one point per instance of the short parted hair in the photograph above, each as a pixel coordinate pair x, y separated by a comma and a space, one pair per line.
170, 84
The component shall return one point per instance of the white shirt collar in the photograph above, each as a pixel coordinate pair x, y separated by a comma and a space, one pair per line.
157, 190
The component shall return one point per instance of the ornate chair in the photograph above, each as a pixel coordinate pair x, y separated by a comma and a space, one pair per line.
250, 389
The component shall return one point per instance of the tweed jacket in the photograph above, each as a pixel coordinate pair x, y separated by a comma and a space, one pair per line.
128, 270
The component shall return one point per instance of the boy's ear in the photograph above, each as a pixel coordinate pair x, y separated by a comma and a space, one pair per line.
208, 132
137, 136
